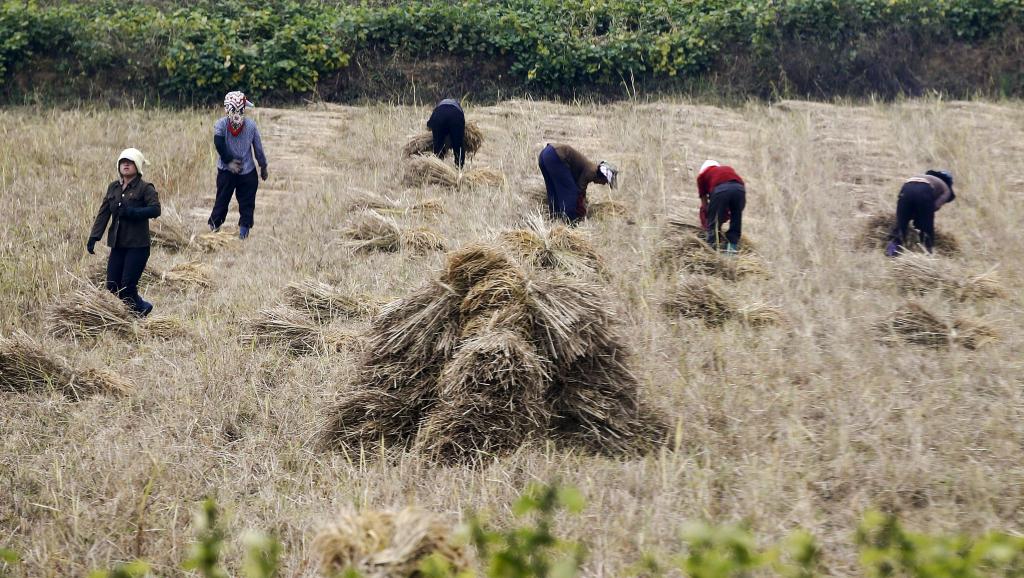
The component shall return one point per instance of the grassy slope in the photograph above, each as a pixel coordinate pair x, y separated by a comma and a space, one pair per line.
804, 425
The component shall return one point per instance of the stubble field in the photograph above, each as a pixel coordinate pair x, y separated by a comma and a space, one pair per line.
808, 422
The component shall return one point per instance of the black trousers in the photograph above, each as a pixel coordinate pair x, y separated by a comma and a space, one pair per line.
448, 122
916, 203
243, 187
124, 269
727, 199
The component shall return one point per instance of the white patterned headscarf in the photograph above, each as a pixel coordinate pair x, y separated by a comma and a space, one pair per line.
611, 174
235, 104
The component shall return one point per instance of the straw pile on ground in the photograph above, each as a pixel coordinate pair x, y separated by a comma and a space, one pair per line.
425, 170
914, 323
188, 273
604, 208
876, 230
26, 366
326, 302
89, 311
491, 356
298, 333
169, 231
423, 143
214, 240
705, 298
371, 231
922, 273
386, 544
366, 200
684, 247
552, 246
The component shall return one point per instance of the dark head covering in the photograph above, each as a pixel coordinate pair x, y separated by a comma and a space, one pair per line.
946, 177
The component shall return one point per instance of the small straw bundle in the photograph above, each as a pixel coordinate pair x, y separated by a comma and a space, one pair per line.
89, 311
299, 334
477, 364
913, 323
326, 302
423, 143
169, 231
214, 241
180, 275
371, 231
366, 200
605, 209
878, 227
548, 246
922, 273
684, 247
387, 544
26, 366
425, 170
702, 297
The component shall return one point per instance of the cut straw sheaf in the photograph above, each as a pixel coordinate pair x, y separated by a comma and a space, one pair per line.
371, 231
423, 143
387, 544
181, 275
474, 365
426, 170
683, 246
297, 333
705, 298
875, 233
605, 209
326, 302
913, 323
552, 246
366, 200
916, 273
88, 311
26, 366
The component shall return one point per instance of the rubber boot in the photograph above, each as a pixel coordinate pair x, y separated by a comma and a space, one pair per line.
731, 249
144, 307
243, 232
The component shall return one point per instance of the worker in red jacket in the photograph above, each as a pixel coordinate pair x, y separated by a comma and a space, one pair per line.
722, 198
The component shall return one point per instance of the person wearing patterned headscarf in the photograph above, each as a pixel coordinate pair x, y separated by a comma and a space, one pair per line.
128, 205
237, 141
566, 176
920, 198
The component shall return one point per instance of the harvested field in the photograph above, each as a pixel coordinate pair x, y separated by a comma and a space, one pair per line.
807, 422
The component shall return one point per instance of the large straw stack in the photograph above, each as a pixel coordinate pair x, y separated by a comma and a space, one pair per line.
26, 366
386, 544
494, 354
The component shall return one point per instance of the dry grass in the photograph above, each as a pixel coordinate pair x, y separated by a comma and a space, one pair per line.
875, 234
366, 200
805, 426
423, 143
169, 231
26, 366
296, 332
604, 208
386, 544
214, 241
923, 273
371, 231
324, 301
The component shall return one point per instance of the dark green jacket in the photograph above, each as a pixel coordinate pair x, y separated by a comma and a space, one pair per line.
129, 212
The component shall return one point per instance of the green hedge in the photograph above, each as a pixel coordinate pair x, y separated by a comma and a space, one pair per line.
284, 48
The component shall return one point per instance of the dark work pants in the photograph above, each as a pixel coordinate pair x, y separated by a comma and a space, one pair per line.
916, 203
124, 269
727, 199
448, 122
563, 194
244, 188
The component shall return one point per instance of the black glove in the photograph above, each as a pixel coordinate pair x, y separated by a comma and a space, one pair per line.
264, 173
127, 213
91, 245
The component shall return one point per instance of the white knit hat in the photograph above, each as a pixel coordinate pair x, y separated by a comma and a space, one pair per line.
707, 165
134, 155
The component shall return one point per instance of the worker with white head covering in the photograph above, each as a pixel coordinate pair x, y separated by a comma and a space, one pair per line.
128, 205
566, 176
723, 197
239, 149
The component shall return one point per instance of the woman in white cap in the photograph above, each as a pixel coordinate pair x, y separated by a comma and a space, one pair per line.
566, 176
238, 141
723, 197
128, 205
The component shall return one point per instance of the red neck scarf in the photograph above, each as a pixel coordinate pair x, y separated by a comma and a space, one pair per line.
236, 131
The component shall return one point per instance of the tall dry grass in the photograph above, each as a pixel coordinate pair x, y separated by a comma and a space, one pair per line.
806, 423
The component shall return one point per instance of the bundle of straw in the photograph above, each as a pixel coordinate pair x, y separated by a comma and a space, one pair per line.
213, 241
548, 246
89, 311
915, 324
169, 231
26, 366
922, 273
684, 246
325, 302
161, 327
371, 231
605, 209
423, 143
187, 273
481, 177
700, 297
429, 170
971, 333
366, 200
298, 333
387, 544
877, 228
